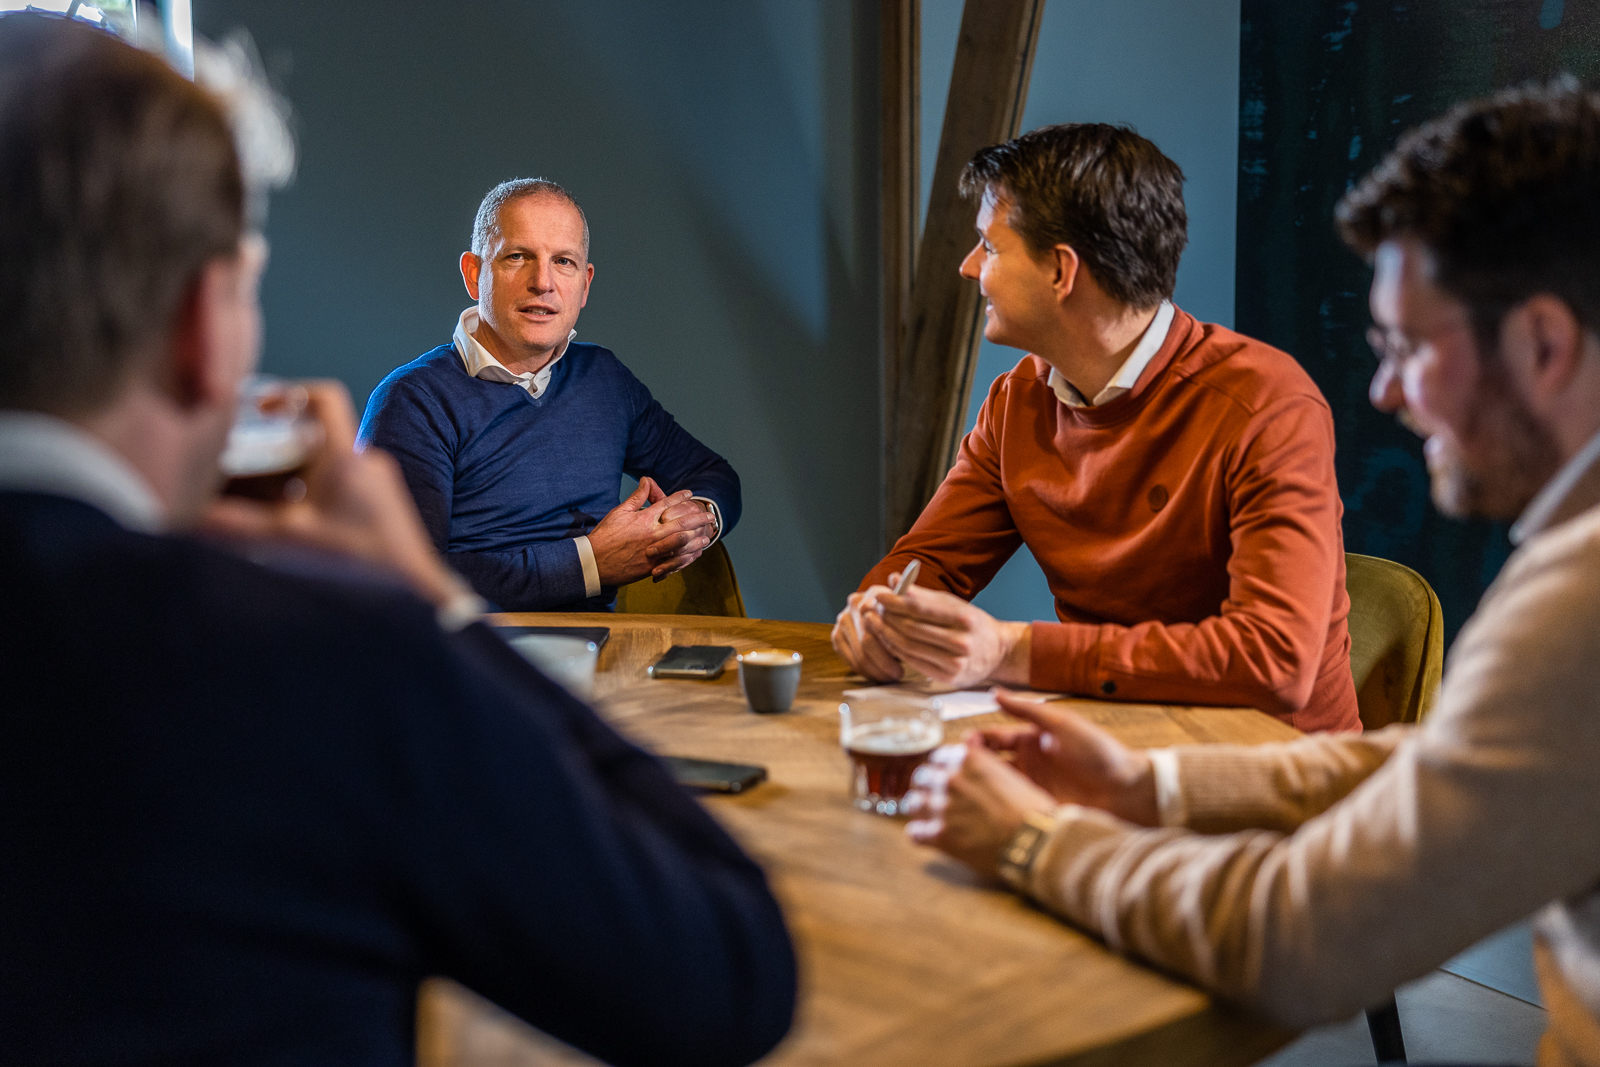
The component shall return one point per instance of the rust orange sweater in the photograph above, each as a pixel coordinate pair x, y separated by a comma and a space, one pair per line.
1189, 530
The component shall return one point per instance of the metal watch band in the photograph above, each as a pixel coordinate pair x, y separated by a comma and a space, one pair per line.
1016, 858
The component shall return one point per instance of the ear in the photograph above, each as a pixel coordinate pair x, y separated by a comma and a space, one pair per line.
1542, 343
187, 366
470, 266
588, 280
1067, 265
208, 348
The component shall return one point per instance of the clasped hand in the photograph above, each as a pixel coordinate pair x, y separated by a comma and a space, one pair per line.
880, 634
971, 797
651, 533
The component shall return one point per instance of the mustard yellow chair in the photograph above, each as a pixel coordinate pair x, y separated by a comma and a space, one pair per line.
1397, 658
707, 586
1396, 640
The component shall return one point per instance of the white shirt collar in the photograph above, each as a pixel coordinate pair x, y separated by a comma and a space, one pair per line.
480, 364
43, 454
1543, 507
1127, 375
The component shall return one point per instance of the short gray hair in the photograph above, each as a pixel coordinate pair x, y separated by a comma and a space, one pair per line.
487, 222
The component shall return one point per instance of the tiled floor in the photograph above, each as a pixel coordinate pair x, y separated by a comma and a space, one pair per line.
1445, 1019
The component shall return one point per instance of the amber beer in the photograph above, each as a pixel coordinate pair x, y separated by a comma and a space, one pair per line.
269, 486
885, 751
271, 442
265, 466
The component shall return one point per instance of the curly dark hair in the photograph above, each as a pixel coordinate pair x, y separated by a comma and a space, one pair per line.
1104, 190
1504, 191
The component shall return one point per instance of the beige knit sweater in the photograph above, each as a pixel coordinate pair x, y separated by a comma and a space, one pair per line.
1312, 878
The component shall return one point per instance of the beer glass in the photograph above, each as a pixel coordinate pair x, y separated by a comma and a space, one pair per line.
272, 439
887, 736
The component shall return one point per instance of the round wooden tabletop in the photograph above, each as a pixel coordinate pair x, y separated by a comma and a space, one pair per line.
906, 957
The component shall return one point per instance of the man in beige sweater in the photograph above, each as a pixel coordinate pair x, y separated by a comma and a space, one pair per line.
1307, 880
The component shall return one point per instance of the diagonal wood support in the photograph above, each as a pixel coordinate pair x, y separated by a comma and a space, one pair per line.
932, 371
900, 127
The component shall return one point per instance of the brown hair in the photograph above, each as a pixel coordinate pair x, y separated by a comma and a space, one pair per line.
119, 180
1504, 192
1104, 190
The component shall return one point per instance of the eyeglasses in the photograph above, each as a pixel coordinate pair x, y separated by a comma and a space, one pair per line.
1394, 348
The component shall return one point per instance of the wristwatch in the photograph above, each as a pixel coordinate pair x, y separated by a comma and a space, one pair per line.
1020, 851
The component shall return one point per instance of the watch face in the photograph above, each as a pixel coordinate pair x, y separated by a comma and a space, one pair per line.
1016, 859
1021, 845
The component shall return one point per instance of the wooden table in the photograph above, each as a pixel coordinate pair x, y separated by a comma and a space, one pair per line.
906, 957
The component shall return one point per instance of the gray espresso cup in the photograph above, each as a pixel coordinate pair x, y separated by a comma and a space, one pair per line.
769, 677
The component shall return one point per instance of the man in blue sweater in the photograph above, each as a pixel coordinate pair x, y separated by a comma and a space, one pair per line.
246, 809
514, 438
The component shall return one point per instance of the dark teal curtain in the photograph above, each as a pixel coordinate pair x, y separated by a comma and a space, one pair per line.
1325, 89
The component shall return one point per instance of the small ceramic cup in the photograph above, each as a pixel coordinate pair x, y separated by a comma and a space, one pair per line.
769, 677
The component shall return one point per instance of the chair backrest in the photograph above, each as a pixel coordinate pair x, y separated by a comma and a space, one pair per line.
707, 586
1396, 640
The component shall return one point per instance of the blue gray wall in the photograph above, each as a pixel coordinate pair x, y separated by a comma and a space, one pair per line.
726, 155
1170, 69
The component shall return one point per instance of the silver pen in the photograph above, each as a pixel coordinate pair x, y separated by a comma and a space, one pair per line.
907, 576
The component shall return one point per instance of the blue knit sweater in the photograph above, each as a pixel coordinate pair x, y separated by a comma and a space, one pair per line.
505, 481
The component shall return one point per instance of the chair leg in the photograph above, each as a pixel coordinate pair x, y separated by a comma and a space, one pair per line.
1387, 1042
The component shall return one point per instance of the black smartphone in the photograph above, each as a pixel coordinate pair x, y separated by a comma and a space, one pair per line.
710, 774
691, 661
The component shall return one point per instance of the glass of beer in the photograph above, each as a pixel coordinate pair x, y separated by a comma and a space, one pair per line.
272, 439
887, 737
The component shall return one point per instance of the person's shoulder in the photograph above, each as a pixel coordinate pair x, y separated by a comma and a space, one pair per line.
1019, 392
1249, 373
303, 593
430, 364
1030, 378
1538, 624
275, 595
588, 351
361, 636
588, 358
434, 369
430, 385
1571, 548
597, 370
217, 595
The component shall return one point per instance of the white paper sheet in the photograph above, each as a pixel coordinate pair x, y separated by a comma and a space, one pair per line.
953, 703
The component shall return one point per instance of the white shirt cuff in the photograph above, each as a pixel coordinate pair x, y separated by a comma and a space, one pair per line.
591, 569
716, 516
462, 609
1169, 790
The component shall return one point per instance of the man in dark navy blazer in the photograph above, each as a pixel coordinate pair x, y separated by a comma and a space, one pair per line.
514, 437
245, 809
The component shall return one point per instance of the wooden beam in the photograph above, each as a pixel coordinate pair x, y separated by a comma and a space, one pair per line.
933, 372
900, 101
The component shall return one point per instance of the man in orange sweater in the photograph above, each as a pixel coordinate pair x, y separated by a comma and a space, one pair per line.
1174, 479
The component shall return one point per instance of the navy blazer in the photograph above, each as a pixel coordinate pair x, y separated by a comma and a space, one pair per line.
243, 812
